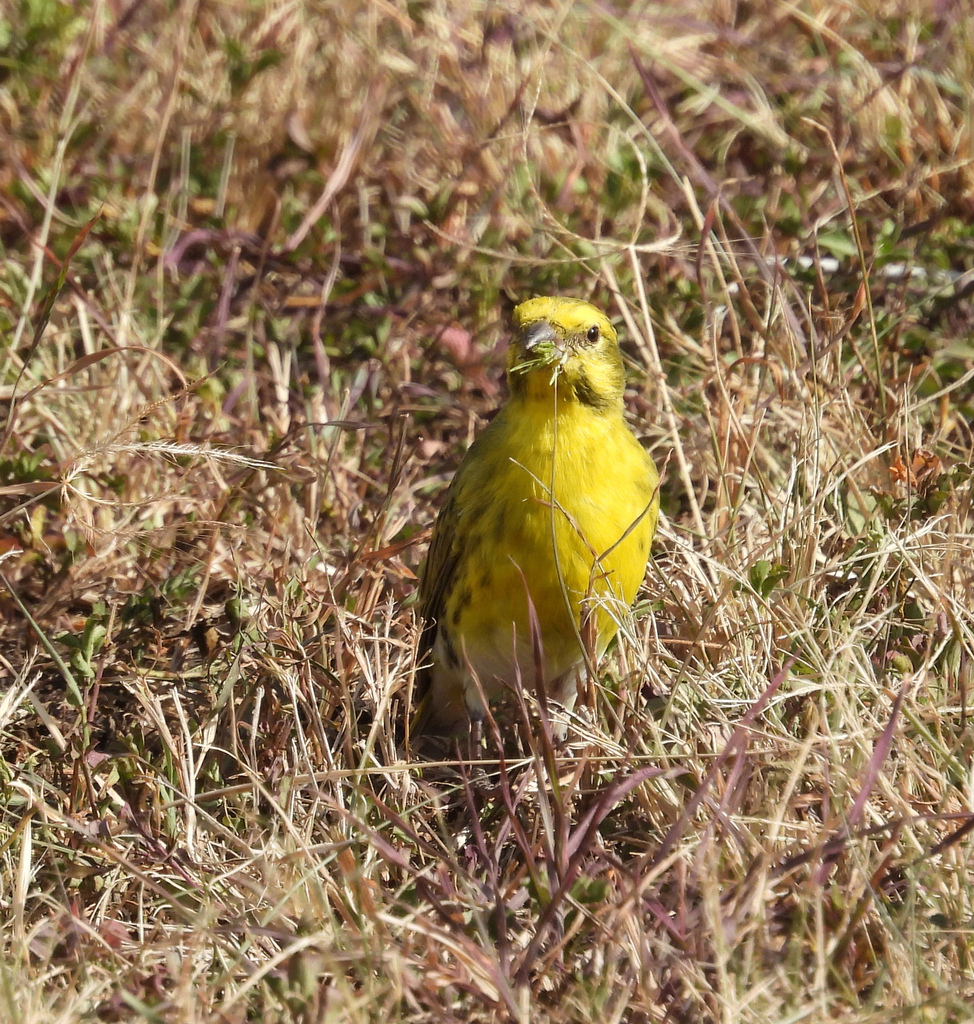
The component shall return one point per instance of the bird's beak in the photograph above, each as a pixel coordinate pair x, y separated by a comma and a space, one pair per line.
538, 345
539, 333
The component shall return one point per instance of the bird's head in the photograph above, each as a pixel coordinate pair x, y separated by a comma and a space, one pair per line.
568, 346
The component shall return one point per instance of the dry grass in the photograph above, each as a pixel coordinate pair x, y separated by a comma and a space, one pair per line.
256, 261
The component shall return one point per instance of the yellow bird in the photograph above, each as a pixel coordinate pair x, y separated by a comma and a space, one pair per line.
557, 502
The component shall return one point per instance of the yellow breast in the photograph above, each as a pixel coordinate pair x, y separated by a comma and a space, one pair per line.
559, 508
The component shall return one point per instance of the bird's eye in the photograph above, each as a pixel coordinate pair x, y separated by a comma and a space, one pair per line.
592, 334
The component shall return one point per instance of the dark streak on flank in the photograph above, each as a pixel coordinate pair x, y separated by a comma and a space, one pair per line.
451, 651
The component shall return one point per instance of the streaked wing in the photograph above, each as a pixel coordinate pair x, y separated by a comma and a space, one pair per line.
437, 581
